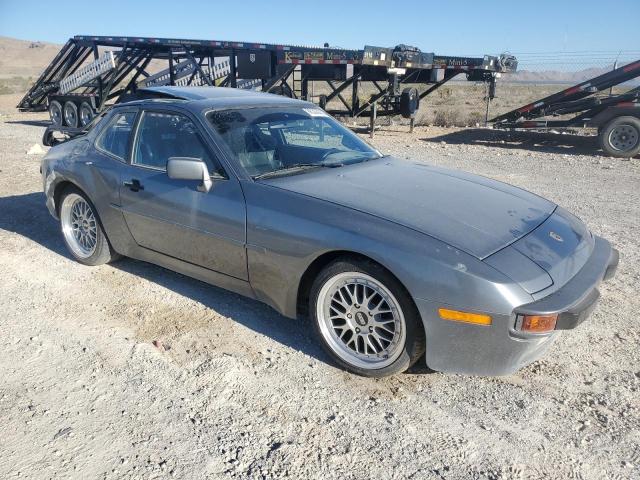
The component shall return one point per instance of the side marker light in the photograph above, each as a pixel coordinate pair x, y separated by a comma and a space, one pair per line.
466, 317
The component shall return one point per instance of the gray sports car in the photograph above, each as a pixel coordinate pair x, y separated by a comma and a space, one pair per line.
272, 198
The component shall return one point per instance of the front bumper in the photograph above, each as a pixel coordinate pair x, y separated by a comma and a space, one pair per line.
575, 301
501, 349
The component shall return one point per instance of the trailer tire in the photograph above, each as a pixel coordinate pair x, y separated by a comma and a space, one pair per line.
85, 114
409, 102
621, 137
55, 113
70, 114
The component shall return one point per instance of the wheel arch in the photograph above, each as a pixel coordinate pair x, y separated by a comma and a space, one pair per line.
321, 261
64, 185
59, 189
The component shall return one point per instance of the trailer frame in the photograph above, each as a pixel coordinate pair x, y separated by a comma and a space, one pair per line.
290, 70
619, 111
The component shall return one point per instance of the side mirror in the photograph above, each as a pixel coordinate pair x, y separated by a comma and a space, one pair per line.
187, 168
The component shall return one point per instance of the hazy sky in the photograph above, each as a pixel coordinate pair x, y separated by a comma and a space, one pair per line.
445, 27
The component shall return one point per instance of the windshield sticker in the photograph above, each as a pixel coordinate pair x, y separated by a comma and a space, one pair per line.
316, 112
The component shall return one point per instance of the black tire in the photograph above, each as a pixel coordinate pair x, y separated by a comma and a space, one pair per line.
409, 102
322, 103
70, 114
85, 114
55, 113
414, 344
103, 252
621, 137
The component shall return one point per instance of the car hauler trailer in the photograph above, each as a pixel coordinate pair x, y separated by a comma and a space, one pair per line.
91, 72
617, 117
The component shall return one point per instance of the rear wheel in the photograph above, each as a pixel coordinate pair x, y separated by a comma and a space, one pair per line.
365, 319
621, 137
70, 114
85, 113
82, 230
55, 113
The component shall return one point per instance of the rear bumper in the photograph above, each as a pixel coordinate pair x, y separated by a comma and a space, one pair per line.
500, 349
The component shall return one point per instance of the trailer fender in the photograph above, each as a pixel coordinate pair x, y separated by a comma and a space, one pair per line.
610, 113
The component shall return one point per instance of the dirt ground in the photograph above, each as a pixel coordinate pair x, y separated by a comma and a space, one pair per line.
238, 391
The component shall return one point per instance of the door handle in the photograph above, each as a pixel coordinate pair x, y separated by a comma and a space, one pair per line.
134, 185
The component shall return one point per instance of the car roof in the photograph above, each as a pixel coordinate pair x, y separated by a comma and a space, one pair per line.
199, 98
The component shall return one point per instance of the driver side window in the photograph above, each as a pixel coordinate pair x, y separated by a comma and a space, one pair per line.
163, 135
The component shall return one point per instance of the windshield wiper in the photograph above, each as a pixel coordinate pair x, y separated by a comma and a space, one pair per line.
294, 167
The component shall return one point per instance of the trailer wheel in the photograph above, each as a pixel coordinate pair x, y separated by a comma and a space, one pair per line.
621, 137
70, 114
85, 114
55, 113
409, 102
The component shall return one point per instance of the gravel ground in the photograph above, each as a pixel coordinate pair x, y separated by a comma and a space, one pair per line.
233, 390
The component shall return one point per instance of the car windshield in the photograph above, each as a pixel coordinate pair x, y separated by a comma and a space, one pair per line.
274, 141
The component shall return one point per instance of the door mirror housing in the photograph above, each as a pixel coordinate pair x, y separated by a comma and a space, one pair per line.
187, 168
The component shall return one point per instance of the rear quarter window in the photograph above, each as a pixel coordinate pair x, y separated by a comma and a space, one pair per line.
114, 139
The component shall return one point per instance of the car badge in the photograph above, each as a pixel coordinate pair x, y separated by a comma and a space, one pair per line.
252, 57
556, 237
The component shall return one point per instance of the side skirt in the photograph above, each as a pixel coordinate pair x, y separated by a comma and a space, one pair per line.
217, 279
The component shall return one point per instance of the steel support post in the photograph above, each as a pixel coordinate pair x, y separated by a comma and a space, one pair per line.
233, 81
372, 119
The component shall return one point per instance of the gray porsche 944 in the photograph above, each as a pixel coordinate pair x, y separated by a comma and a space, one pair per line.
391, 260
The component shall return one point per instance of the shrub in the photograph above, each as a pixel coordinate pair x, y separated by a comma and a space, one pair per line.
475, 118
446, 118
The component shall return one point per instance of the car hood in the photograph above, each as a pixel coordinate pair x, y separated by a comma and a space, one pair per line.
472, 213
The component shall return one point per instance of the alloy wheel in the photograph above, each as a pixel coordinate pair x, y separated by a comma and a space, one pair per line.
361, 320
79, 225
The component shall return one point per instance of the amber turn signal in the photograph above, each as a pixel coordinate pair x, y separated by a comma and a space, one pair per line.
538, 323
466, 317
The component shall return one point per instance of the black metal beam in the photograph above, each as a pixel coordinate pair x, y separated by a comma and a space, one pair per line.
336, 93
338, 90
131, 65
109, 85
358, 111
437, 85
198, 68
171, 75
140, 70
278, 78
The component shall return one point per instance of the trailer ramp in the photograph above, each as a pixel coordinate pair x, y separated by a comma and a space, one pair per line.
570, 100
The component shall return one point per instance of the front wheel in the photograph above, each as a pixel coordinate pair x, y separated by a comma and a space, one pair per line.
621, 137
82, 231
365, 318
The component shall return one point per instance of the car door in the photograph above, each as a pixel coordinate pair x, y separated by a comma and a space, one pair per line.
172, 216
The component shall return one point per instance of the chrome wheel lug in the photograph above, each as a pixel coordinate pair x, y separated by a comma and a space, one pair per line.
357, 330
348, 315
371, 329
